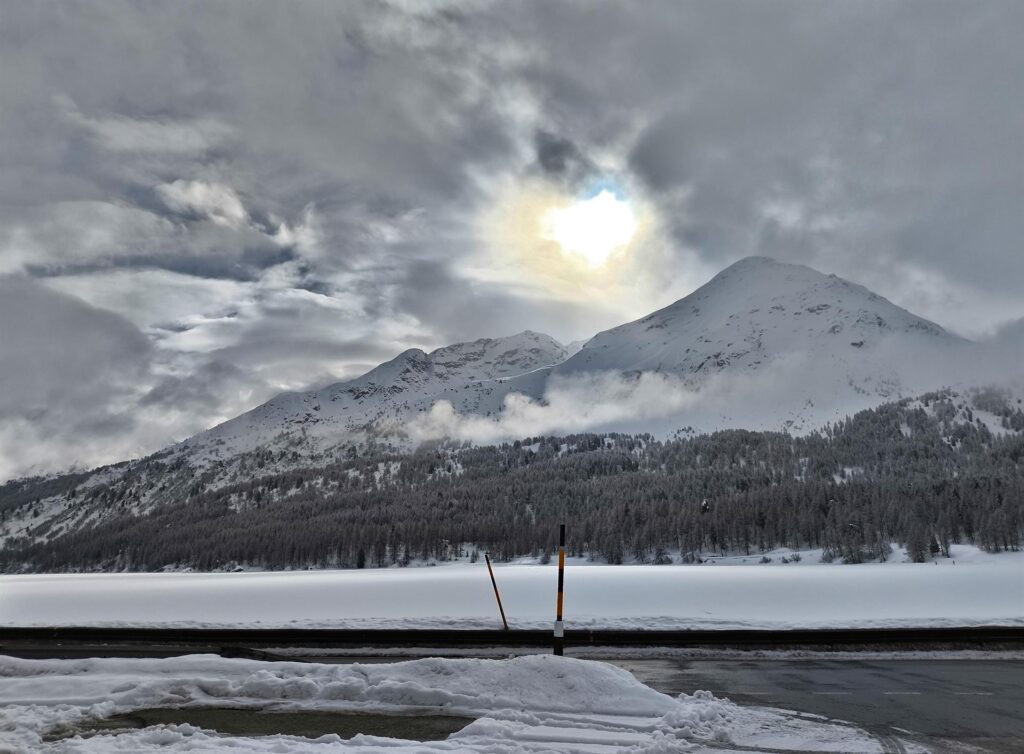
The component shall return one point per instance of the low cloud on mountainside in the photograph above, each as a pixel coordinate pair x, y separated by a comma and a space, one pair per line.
204, 204
570, 404
762, 399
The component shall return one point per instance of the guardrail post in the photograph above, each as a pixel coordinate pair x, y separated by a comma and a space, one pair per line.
497, 596
559, 637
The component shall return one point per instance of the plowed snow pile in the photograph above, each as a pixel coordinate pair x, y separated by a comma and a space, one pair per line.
528, 704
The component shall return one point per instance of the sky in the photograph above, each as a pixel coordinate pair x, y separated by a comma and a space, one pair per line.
204, 204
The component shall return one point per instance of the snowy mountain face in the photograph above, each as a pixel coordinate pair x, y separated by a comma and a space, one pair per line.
767, 345
811, 348
473, 376
776, 345
752, 314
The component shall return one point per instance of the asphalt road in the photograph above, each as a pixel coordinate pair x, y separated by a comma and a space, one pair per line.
943, 704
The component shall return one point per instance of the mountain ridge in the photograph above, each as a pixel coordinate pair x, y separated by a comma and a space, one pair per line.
757, 316
763, 346
413, 380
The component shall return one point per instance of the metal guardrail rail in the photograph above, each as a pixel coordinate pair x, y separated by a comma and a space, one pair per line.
218, 639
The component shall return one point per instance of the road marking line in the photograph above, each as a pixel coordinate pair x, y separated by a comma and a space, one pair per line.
902, 693
974, 693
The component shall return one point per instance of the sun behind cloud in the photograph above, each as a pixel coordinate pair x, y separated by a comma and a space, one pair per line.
593, 228
565, 246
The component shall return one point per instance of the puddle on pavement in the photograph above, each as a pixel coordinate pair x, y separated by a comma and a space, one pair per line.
247, 722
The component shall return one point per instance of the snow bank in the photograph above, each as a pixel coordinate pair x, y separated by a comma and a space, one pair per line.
528, 704
986, 591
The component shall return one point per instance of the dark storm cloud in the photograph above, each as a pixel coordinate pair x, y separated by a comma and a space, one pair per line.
201, 389
247, 265
561, 158
65, 368
317, 170
78, 384
485, 310
40, 329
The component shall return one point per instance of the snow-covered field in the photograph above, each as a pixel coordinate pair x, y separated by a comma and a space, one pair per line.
539, 703
979, 589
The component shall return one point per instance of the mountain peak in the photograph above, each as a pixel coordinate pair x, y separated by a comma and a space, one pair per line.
755, 311
755, 261
769, 266
501, 357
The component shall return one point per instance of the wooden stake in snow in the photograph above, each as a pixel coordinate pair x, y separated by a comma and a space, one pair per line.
559, 630
497, 596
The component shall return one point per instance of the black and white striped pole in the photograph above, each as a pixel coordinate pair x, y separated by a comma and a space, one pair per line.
559, 629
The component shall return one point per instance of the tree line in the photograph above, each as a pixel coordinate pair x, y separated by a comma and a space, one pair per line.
908, 472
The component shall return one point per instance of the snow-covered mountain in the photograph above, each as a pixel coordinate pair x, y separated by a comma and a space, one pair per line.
763, 345
782, 345
751, 314
821, 347
473, 376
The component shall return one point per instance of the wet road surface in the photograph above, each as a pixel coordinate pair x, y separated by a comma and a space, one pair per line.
943, 704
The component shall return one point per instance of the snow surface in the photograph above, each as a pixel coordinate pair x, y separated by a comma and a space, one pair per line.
980, 589
539, 703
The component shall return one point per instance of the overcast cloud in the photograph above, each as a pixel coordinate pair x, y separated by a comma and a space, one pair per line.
202, 204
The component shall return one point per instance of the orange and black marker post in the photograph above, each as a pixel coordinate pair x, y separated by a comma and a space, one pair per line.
497, 596
559, 630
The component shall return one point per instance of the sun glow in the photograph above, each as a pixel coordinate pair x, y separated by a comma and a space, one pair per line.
593, 229
554, 244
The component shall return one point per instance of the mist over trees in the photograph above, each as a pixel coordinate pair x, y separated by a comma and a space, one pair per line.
905, 472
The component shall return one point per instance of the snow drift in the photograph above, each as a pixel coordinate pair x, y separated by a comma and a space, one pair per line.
538, 703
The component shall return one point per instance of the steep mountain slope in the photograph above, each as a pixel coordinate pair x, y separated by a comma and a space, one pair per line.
753, 313
474, 377
776, 345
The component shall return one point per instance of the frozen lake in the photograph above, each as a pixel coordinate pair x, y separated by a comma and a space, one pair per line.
984, 590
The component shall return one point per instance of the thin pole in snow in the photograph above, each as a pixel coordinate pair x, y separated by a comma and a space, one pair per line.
497, 596
559, 637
